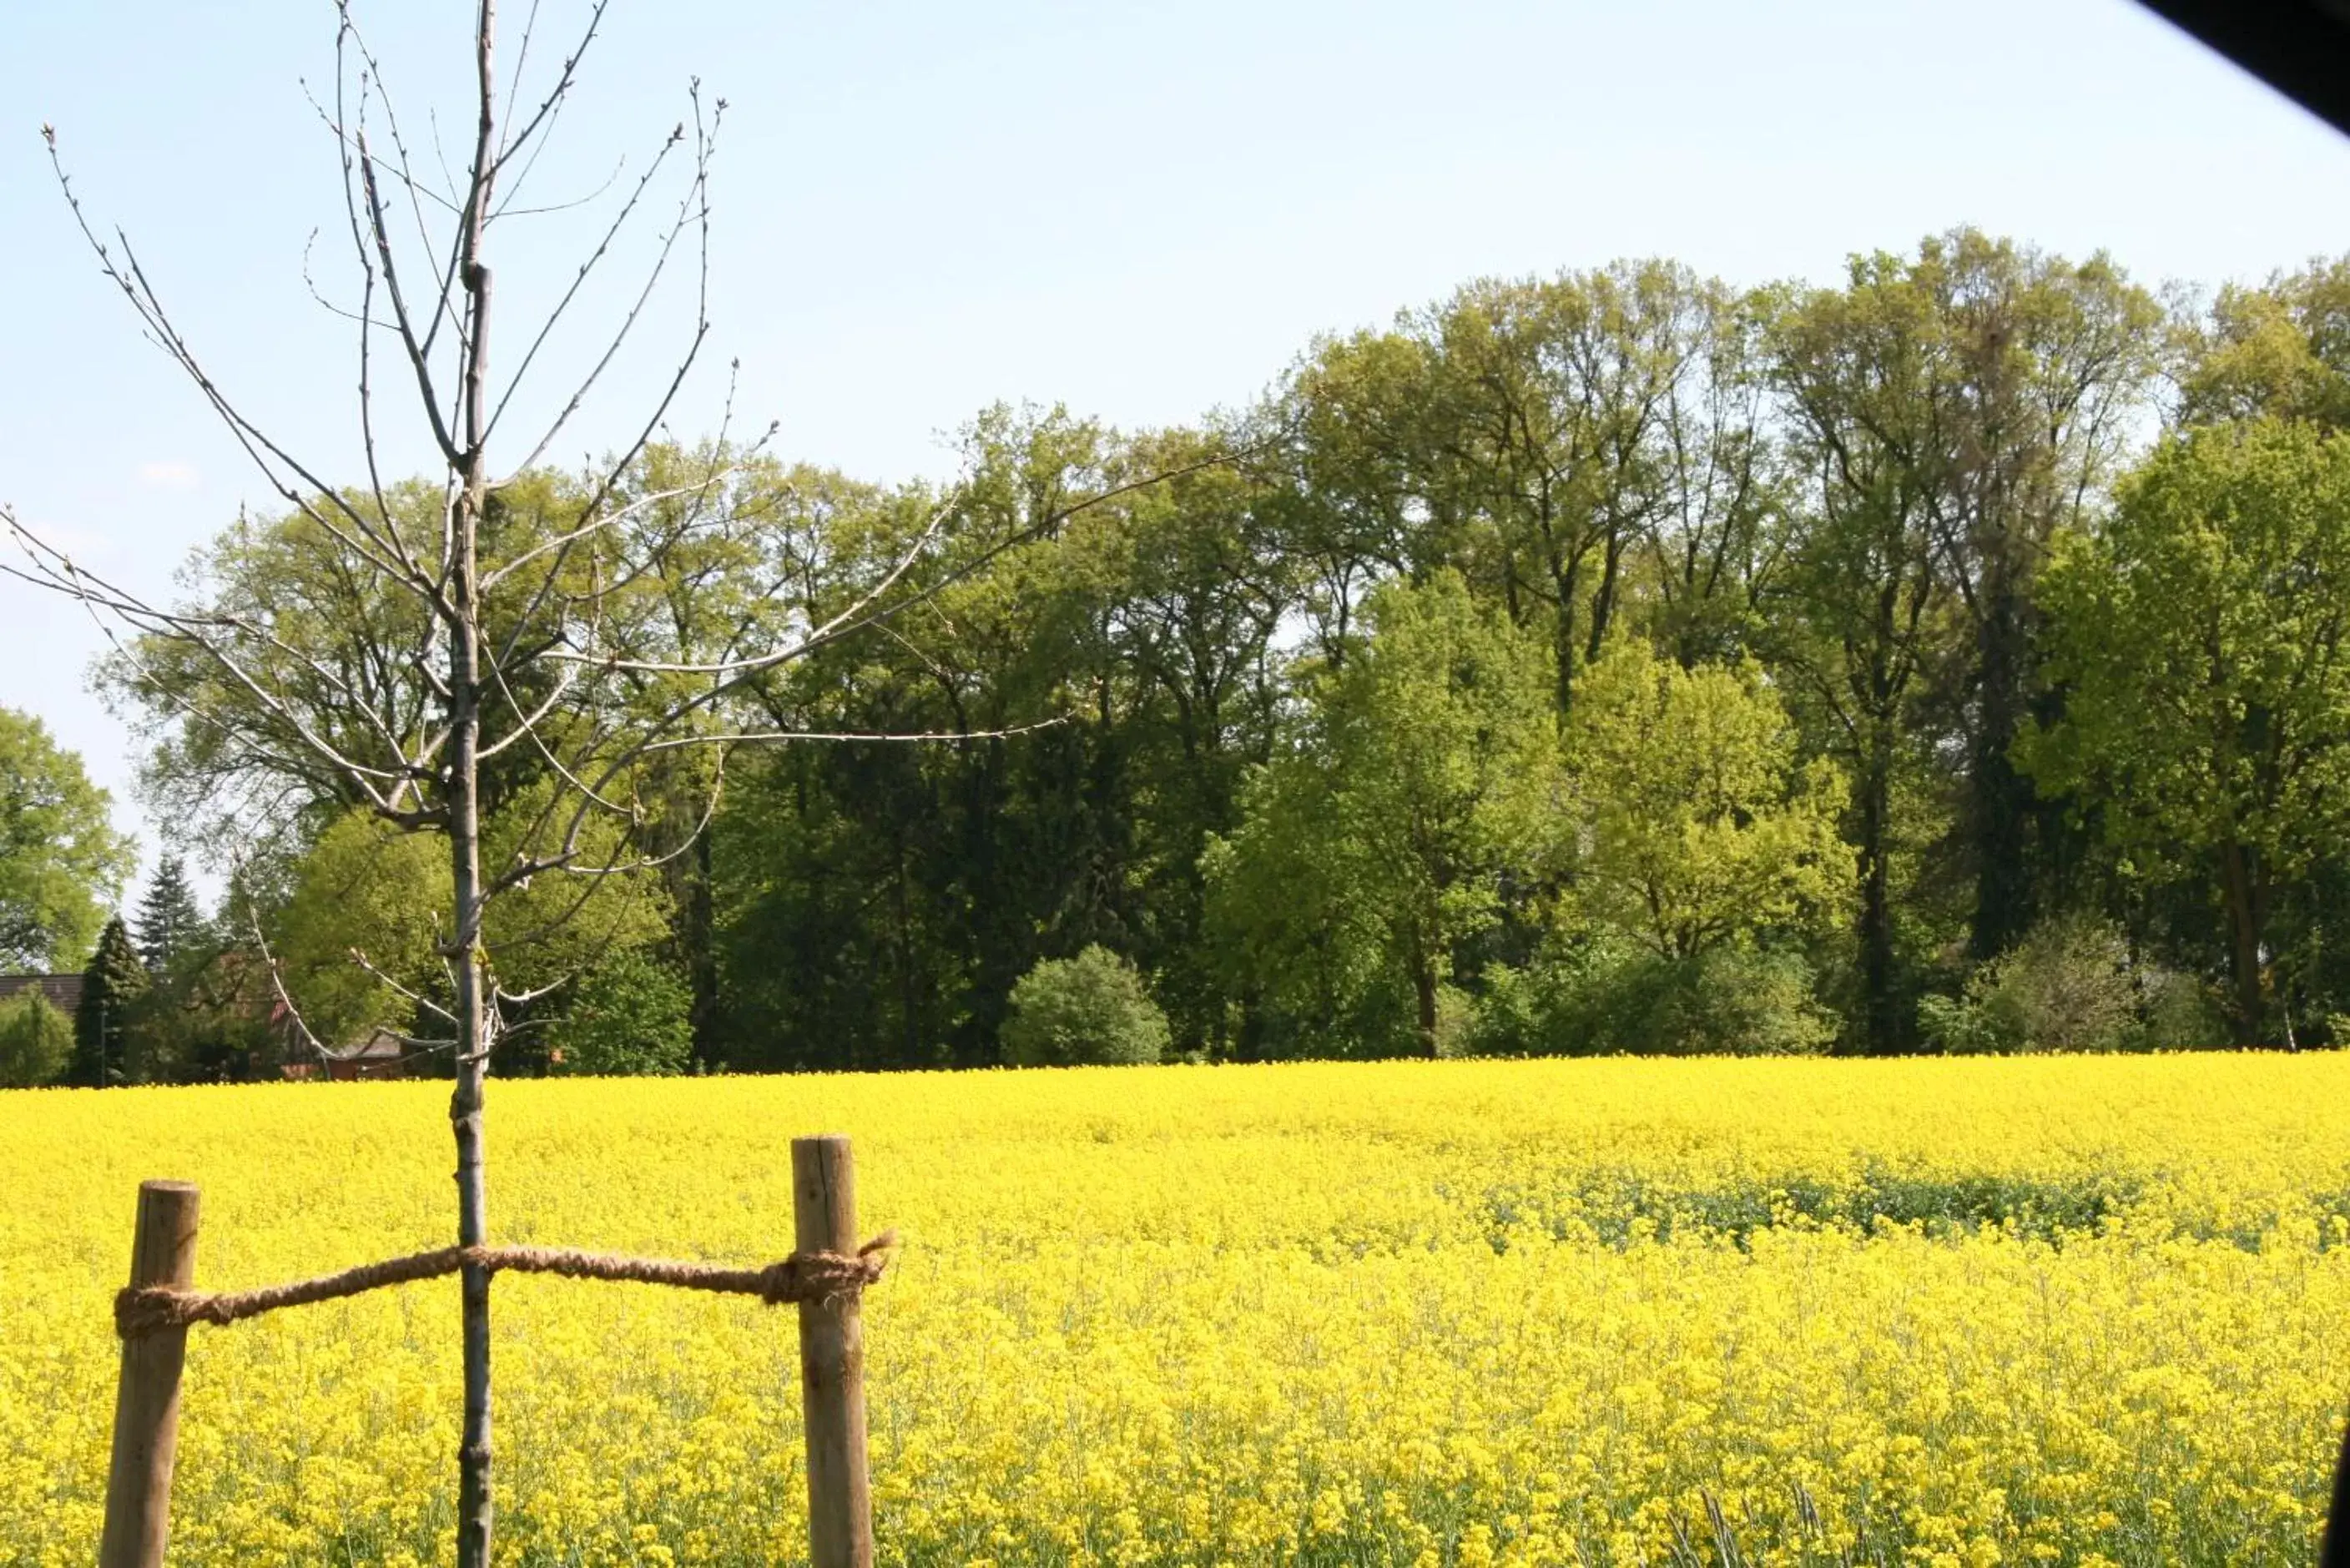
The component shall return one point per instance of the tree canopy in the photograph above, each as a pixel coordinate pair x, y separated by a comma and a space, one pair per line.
62, 863
1695, 822
1537, 671
2200, 642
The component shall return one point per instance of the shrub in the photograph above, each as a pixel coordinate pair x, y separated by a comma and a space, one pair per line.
2070, 985
1738, 1000
1958, 1026
1605, 996
630, 1016
2180, 1013
36, 1041
1088, 1009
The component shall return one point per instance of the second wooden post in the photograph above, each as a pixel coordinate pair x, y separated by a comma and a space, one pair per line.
832, 1362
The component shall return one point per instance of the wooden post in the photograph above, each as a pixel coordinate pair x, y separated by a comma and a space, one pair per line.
832, 1362
147, 1401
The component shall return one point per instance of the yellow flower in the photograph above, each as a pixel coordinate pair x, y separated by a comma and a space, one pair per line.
1967, 1312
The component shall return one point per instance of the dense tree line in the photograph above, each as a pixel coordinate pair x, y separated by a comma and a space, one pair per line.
1950, 659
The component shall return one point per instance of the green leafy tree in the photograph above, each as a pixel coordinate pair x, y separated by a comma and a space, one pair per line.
361, 932
1090, 1009
2199, 644
1549, 426
170, 925
2070, 985
36, 1041
1863, 372
2280, 348
1377, 841
1695, 822
1348, 439
206, 1022
61, 861
1950, 412
112, 989
2040, 364
1609, 994
629, 1015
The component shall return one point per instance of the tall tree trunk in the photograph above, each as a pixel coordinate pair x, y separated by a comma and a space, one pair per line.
1567, 582
2240, 888
698, 934
1880, 1003
2002, 798
475, 1021
1423, 984
1603, 598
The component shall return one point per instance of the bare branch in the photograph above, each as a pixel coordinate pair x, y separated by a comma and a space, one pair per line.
901, 737
694, 207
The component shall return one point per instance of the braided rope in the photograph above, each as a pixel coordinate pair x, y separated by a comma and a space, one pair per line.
802, 1277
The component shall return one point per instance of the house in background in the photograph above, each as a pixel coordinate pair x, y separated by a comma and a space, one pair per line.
62, 991
383, 1054
379, 1054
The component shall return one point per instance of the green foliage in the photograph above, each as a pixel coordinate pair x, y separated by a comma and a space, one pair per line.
1090, 1009
628, 1014
370, 904
36, 1041
1503, 672
2181, 1011
2279, 350
61, 861
208, 1026
364, 892
1375, 845
216, 743
2199, 636
171, 927
2071, 985
1612, 996
1695, 823
112, 989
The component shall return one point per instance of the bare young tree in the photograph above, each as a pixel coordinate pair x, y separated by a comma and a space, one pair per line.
542, 634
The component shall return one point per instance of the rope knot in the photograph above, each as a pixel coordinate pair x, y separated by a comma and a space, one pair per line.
147, 1310
825, 1276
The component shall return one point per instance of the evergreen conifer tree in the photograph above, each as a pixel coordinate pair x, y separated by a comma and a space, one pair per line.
110, 987
170, 922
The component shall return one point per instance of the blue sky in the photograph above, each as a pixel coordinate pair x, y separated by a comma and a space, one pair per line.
1141, 210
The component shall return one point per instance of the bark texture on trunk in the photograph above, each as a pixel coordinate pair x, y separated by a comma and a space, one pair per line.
474, 1038
1423, 984
2239, 885
476, 1023
2002, 803
1879, 1005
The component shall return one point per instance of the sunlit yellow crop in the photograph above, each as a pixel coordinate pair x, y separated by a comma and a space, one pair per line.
2073, 1311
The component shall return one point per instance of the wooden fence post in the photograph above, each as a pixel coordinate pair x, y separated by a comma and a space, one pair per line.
832, 1362
147, 1400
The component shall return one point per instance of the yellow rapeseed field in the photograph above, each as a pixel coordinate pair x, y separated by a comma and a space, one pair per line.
2073, 1311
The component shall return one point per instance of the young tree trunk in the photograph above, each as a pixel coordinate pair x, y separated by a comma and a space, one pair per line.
1603, 598
476, 1023
474, 1041
1567, 641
